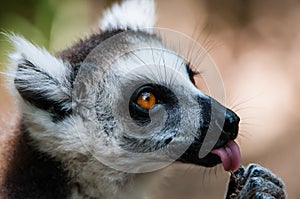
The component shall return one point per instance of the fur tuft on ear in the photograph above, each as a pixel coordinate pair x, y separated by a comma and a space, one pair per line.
41, 79
24, 50
130, 14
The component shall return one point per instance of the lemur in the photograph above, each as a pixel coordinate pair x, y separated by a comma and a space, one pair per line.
115, 105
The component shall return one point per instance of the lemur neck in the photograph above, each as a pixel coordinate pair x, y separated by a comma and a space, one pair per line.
35, 174
94, 180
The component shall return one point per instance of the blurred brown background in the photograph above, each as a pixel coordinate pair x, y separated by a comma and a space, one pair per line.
256, 46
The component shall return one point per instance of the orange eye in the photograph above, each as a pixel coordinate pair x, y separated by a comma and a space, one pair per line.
146, 100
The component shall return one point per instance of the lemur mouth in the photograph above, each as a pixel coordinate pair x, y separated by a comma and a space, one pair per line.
225, 151
229, 155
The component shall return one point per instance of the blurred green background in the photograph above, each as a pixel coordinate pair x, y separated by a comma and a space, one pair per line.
49, 23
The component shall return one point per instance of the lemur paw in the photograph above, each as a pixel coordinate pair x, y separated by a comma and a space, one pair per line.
255, 182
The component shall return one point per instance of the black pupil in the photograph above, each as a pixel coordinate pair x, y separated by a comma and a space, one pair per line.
146, 96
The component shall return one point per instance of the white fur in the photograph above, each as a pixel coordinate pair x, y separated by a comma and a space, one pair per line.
130, 14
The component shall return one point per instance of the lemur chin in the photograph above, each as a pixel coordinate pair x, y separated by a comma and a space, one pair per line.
115, 105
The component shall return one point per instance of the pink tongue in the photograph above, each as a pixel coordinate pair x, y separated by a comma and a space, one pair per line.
230, 156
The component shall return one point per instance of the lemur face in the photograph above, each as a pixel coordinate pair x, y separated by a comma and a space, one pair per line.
124, 98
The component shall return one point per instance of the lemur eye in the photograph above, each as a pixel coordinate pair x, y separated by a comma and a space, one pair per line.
146, 100
142, 100
147, 97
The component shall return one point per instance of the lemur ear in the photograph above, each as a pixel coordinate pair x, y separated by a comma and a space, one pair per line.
130, 14
41, 79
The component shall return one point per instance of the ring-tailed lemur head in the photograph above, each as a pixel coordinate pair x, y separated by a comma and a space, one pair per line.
120, 102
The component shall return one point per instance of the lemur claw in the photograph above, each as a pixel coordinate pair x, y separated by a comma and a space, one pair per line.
254, 182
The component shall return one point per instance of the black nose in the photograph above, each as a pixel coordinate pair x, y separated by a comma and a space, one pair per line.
231, 124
